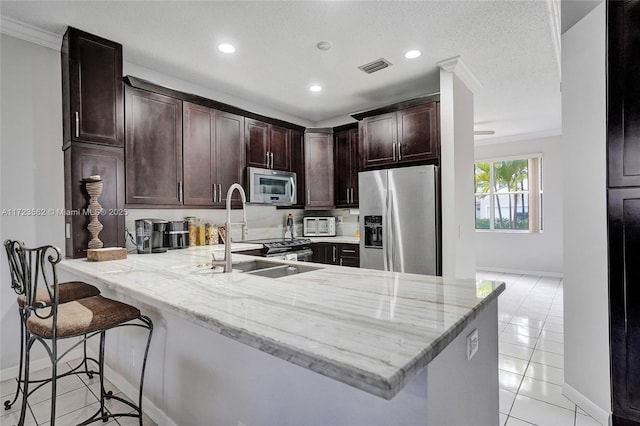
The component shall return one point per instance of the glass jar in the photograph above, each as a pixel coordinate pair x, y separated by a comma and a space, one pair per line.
210, 234
191, 226
199, 232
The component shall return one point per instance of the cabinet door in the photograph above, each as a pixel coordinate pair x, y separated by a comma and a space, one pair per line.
257, 142
379, 140
343, 166
624, 293
417, 133
198, 155
354, 137
80, 162
92, 89
297, 165
318, 148
229, 154
153, 148
623, 85
280, 148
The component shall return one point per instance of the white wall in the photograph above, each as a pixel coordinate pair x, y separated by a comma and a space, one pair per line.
586, 344
456, 161
31, 163
527, 252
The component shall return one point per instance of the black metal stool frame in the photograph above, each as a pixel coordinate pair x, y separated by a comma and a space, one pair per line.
40, 264
17, 284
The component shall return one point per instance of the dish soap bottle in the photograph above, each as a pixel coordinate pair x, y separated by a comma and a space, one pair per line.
358, 228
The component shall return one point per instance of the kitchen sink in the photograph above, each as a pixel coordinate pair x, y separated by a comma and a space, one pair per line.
261, 268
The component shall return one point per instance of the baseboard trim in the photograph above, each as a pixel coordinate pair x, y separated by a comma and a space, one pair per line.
39, 364
595, 411
520, 271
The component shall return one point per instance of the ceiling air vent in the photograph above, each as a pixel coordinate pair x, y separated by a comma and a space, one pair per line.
377, 65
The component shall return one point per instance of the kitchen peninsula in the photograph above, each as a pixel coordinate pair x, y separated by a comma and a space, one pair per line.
335, 345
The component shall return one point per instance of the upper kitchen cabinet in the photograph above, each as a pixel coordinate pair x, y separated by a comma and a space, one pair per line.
153, 149
347, 165
213, 153
297, 165
93, 109
318, 153
399, 134
267, 145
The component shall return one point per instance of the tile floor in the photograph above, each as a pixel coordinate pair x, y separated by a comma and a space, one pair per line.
530, 364
78, 399
530, 353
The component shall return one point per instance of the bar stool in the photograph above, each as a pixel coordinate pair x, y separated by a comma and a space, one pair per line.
67, 291
81, 318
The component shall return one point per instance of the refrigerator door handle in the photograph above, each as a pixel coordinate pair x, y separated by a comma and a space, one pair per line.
388, 231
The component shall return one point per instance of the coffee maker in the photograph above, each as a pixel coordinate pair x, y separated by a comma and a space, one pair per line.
150, 235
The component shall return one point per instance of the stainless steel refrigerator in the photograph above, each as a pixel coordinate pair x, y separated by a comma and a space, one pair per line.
399, 220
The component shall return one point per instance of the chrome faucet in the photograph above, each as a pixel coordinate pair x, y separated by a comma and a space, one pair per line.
227, 242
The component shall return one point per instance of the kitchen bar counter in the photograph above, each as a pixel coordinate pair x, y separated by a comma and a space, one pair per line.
372, 330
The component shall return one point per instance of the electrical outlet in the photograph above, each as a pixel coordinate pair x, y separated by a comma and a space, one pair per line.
339, 219
472, 344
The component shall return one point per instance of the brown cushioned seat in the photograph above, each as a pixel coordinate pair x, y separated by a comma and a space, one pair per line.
83, 316
68, 291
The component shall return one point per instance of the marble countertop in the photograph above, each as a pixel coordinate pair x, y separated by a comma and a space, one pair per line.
373, 331
337, 239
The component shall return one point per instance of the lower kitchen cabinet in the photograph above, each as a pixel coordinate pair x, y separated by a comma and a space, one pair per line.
82, 160
336, 254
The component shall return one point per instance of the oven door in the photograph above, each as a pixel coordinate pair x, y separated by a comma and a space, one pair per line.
300, 255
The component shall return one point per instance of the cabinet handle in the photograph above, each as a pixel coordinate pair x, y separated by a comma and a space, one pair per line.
352, 196
394, 151
335, 252
180, 191
347, 195
349, 251
340, 262
271, 159
399, 151
77, 125
220, 193
215, 192
267, 159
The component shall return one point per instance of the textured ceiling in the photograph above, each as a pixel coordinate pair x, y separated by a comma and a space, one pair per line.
508, 45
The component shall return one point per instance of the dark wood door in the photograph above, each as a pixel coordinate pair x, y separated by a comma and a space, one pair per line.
624, 275
198, 155
229, 155
623, 145
153, 148
342, 149
80, 162
297, 165
93, 109
417, 133
319, 252
318, 148
354, 137
256, 135
280, 148
380, 137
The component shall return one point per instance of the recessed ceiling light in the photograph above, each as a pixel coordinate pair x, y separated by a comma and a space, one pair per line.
226, 48
315, 88
412, 54
323, 45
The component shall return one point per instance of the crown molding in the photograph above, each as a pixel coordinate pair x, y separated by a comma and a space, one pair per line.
519, 137
26, 32
457, 66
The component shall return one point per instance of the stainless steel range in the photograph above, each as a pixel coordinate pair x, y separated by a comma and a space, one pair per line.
288, 249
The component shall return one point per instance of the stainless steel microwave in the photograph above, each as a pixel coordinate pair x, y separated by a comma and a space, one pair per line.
268, 186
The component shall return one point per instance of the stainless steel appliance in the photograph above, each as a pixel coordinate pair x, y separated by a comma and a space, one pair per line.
319, 226
288, 249
268, 186
150, 235
400, 220
176, 235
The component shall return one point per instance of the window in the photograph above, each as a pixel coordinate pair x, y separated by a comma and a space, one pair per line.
508, 194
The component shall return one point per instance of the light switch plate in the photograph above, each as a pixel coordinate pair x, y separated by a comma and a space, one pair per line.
472, 344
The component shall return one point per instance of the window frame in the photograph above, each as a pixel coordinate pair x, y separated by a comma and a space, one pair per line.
535, 186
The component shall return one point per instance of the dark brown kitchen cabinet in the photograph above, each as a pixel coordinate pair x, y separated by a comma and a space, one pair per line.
318, 152
404, 136
80, 162
153, 148
623, 146
297, 165
267, 145
341, 254
213, 154
347, 166
92, 103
